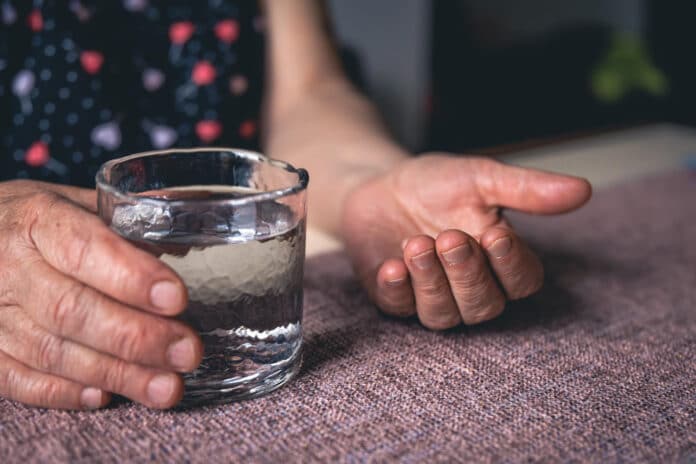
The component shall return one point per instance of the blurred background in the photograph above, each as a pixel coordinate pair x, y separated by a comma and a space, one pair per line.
465, 75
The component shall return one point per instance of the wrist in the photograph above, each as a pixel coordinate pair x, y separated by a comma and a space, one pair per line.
337, 135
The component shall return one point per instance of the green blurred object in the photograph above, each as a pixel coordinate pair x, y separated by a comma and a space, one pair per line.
627, 67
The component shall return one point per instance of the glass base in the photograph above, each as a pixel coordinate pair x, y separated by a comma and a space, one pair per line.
237, 389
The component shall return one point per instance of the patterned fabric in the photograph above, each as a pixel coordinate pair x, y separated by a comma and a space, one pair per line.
597, 367
83, 81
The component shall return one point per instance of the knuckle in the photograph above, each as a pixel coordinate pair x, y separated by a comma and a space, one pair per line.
10, 383
113, 376
48, 392
67, 312
130, 339
486, 312
73, 234
434, 290
484, 163
439, 320
48, 352
119, 280
43, 199
36, 203
73, 260
125, 279
30, 208
472, 280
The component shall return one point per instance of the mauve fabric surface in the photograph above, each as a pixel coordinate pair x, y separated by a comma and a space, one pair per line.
597, 367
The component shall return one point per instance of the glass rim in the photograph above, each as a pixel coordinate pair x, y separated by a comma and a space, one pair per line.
303, 178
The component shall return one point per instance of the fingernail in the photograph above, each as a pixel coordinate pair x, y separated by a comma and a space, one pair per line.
91, 398
424, 261
181, 354
160, 389
404, 242
458, 254
165, 295
500, 248
395, 282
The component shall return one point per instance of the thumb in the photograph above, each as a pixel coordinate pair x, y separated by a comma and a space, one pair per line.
530, 190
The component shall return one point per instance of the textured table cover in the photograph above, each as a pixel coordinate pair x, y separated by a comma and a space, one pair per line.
599, 366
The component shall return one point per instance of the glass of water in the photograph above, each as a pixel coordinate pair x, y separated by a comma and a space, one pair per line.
231, 223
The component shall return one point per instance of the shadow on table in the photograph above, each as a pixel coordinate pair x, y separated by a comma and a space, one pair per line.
323, 348
560, 302
337, 313
564, 298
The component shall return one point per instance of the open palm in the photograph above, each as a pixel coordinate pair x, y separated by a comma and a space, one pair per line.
428, 238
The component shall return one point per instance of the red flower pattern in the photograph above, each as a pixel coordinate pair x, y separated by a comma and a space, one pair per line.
54, 90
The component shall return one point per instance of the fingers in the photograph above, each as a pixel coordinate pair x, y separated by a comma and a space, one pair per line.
517, 268
394, 291
46, 352
450, 281
78, 244
436, 307
72, 310
455, 279
20, 383
475, 291
530, 190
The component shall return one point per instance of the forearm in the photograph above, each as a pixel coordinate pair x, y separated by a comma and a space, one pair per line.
313, 116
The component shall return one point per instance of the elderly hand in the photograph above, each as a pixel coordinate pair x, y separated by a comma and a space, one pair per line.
427, 238
82, 312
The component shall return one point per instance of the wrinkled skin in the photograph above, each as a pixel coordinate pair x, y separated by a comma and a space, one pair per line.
428, 238
81, 312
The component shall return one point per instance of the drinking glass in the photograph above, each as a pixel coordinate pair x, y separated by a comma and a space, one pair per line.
231, 223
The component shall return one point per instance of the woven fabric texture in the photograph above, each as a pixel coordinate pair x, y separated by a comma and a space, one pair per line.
598, 367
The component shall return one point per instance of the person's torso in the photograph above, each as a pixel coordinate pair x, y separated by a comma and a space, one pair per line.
83, 81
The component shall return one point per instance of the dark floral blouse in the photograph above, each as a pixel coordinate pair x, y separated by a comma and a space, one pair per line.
83, 81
